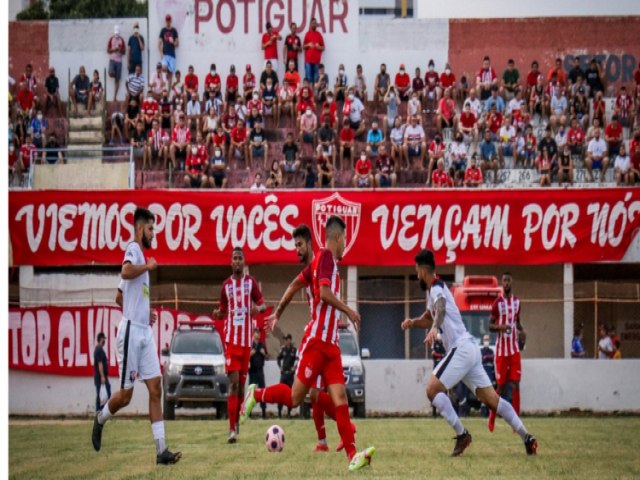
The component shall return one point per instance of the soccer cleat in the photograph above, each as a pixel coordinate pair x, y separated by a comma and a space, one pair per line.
168, 458
462, 442
233, 436
531, 444
248, 404
321, 447
362, 459
492, 420
96, 434
340, 446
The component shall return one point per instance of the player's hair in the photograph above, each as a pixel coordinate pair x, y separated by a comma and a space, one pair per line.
425, 258
302, 231
101, 337
143, 215
237, 249
507, 274
335, 225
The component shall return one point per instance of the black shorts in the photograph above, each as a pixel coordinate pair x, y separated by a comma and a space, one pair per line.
355, 125
196, 180
218, 177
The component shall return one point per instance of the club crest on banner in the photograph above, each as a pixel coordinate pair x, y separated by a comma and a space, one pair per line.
350, 213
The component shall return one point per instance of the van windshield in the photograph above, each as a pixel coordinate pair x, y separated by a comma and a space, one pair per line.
477, 324
197, 342
348, 344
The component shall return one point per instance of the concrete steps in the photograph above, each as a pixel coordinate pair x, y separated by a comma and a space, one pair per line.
86, 136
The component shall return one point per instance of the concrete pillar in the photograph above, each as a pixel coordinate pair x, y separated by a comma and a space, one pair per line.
568, 308
459, 275
352, 287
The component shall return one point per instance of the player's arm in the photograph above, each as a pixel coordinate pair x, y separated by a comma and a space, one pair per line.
423, 321
327, 296
101, 370
119, 298
438, 320
256, 296
294, 287
220, 312
131, 271
493, 322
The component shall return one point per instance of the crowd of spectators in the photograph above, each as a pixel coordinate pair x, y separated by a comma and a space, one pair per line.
306, 129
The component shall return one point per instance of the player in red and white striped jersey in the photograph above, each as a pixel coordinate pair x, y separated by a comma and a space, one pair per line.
319, 352
240, 298
505, 319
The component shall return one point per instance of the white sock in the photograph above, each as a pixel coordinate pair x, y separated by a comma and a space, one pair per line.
443, 404
506, 411
158, 435
104, 414
323, 441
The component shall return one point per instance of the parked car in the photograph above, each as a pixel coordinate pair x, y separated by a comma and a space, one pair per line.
194, 374
354, 374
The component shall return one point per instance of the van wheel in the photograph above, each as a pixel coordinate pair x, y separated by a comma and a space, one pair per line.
359, 410
169, 409
221, 410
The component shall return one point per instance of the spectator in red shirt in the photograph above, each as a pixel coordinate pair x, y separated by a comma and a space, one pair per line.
417, 85
613, 136
468, 124
561, 75
624, 108
238, 143
347, 142
634, 154
599, 109
231, 84
440, 177
149, 110
448, 80
270, 45
26, 101
437, 149
248, 83
403, 83
313, 47
446, 114
431, 86
292, 45
24, 162
29, 79
191, 83
486, 78
212, 83
197, 160
532, 79
575, 139
473, 175
363, 177
292, 76
157, 144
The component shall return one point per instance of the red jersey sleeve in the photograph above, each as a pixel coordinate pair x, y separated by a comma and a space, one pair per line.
306, 275
495, 313
256, 294
325, 268
224, 301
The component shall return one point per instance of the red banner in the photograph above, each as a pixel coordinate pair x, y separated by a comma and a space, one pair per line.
384, 227
61, 340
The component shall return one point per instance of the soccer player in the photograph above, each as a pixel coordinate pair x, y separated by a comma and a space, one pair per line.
304, 248
137, 351
319, 352
462, 362
240, 298
505, 319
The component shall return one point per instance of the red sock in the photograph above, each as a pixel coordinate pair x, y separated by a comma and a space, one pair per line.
232, 410
326, 404
318, 419
346, 430
278, 393
515, 399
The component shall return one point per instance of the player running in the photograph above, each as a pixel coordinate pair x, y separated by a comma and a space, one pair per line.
505, 319
240, 298
137, 350
304, 248
462, 361
319, 352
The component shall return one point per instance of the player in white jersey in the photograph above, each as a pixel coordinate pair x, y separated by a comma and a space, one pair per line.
137, 351
462, 362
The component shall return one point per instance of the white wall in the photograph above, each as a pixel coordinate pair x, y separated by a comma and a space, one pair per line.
73, 43
523, 8
393, 386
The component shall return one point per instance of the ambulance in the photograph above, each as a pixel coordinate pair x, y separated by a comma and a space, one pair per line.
475, 298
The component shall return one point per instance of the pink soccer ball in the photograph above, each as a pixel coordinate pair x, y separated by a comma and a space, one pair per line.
275, 438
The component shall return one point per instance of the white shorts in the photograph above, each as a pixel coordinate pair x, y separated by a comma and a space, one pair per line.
463, 363
140, 357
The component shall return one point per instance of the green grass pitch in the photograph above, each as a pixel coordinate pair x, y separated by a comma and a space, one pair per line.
569, 447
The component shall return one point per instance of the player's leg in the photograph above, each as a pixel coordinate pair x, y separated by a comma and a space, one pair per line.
502, 370
515, 373
318, 419
451, 369
232, 403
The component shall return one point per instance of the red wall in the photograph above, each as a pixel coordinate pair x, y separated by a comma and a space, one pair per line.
545, 39
29, 43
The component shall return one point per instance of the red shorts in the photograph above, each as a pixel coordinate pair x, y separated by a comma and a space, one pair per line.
319, 358
508, 369
237, 358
